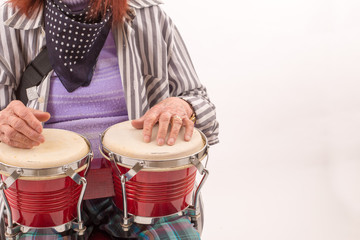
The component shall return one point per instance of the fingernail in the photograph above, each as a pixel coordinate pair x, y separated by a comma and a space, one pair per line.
39, 129
146, 138
160, 141
171, 141
41, 138
187, 137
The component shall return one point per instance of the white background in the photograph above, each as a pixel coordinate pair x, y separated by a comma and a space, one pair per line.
285, 77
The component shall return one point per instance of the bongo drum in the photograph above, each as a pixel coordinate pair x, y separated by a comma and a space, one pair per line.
153, 181
43, 187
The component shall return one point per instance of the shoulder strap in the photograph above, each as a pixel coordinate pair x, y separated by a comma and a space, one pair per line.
33, 75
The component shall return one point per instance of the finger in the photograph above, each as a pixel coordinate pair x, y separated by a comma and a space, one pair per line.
149, 123
189, 129
40, 115
26, 115
21, 126
138, 123
164, 122
175, 128
13, 143
16, 136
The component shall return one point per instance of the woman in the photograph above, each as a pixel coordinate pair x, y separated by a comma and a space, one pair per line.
112, 61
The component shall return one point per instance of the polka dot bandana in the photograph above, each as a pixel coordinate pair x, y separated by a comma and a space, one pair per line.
74, 42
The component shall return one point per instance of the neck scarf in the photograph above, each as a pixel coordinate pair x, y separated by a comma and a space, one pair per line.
74, 42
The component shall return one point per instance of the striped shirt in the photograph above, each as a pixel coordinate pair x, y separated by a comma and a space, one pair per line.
152, 57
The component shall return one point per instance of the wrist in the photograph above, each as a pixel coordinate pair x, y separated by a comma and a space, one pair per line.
190, 111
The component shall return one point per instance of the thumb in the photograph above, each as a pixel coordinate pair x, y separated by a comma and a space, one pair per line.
138, 123
40, 115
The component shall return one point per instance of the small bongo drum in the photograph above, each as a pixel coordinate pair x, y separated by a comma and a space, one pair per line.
153, 181
43, 187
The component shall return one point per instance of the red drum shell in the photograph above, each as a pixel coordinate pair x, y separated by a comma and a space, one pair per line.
44, 203
156, 194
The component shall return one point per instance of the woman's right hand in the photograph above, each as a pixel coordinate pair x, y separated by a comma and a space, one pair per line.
21, 126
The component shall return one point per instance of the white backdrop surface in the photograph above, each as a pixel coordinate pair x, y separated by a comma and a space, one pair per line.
285, 77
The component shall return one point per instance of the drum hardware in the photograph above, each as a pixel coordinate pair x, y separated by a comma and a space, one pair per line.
15, 228
11, 230
153, 220
127, 220
61, 228
2, 219
177, 162
43, 172
78, 226
170, 163
131, 166
203, 171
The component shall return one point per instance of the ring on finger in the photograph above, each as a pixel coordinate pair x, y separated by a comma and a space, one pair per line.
176, 117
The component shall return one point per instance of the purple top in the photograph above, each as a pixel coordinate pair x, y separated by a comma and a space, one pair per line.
90, 110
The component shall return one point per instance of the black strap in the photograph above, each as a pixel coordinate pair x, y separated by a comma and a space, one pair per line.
33, 75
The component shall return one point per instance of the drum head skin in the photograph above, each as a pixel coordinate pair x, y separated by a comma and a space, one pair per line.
61, 147
125, 140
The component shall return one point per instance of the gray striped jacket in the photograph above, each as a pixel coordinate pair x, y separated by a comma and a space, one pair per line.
153, 62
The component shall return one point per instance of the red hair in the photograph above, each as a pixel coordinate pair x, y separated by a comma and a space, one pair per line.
119, 7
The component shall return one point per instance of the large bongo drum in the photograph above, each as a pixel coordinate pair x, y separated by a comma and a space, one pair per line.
153, 181
43, 187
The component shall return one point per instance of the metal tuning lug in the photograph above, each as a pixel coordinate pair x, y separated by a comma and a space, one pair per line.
11, 230
78, 226
128, 220
195, 209
81, 228
134, 170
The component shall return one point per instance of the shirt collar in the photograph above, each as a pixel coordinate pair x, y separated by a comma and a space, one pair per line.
143, 3
20, 21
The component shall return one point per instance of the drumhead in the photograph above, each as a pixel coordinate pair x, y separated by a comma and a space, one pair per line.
123, 139
61, 147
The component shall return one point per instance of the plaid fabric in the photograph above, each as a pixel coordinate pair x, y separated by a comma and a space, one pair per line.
43, 235
104, 215
170, 228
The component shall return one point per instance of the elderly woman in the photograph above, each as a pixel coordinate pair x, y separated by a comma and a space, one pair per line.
112, 61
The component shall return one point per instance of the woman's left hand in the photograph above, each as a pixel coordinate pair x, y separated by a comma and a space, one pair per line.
172, 111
